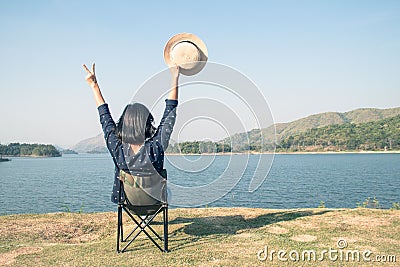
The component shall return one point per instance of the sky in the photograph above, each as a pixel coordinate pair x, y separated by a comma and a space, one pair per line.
306, 57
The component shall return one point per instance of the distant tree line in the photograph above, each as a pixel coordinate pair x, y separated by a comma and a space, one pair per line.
378, 135
198, 147
17, 149
256, 140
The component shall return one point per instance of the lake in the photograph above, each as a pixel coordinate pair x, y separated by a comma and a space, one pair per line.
83, 182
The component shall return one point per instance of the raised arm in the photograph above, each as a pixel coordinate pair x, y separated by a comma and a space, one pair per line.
92, 81
167, 122
173, 94
114, 144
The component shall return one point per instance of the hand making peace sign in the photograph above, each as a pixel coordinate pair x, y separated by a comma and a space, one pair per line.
91, 77
92, 81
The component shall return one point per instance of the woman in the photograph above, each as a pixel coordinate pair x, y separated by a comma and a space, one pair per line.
136, 146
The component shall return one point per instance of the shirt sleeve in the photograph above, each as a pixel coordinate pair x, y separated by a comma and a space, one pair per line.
113, 143
164, 130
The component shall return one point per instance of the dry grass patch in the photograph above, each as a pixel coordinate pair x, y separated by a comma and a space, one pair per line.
304, 238
57, 227
277, 230
9, 257
366, 221
198, 237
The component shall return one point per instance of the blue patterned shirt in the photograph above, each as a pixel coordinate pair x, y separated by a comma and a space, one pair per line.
149, 158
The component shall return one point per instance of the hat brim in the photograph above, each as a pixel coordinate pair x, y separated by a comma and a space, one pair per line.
186, 37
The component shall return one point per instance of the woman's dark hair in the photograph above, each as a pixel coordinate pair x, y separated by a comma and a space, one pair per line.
135, 124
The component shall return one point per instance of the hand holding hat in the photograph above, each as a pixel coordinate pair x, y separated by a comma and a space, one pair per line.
187, 51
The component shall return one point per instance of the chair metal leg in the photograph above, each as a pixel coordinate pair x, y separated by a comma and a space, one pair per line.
122, 226
120, 230
134, 220
165, 220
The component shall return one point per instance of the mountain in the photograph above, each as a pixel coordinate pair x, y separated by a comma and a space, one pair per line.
91, 145
255, 137
380, 135
328, 118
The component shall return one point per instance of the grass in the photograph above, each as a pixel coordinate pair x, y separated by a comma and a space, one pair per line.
199, 237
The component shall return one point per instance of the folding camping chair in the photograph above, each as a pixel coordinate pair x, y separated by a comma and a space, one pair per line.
145, 198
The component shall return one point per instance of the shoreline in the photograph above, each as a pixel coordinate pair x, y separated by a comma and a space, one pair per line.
242, 153
202, 208
30, 156
287, 153
341, 152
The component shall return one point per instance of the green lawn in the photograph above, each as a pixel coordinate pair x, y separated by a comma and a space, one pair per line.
206, 237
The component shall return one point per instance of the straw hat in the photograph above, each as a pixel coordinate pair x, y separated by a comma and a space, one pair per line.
187, 51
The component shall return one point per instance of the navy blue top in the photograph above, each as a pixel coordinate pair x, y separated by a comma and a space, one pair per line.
150, 157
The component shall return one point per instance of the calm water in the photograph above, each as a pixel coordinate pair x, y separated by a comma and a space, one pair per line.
75, 182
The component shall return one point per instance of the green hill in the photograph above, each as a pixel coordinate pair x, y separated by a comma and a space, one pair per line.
328, 118
375, 135
34, 150
266, 137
